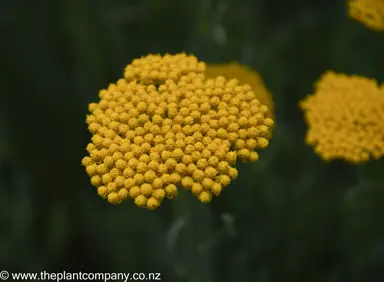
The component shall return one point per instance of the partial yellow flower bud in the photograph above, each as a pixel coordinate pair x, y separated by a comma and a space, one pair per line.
207, 183
159, 194
123, 194
96, 180
198, 175
163, 168
114, 172
120, 181
86, 161
146, 189
181, 168
233, 173
206, 153
187, 159
139, 178
153, 203
175, 178
187, 182
196, 188
141, 201
205, 197
211, 172
91, 169
102, 169
114, 198
128, 172
109, 161
262, 142
134, 192
149, 176
106, 178
244, 154
223, 167
224, 180
171, 191
129, 183
216, 188
213, 161
141, 167
111, 187
102, 191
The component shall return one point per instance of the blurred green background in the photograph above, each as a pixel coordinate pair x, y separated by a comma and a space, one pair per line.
288, 217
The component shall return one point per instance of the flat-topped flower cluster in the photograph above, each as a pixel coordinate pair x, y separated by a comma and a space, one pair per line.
346, 118
165, 125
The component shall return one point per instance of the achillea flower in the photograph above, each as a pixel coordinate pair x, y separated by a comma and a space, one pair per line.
345, 118
368, 12
185, 131
245, 75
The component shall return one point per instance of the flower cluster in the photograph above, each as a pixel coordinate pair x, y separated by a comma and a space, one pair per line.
165, 126
345, 118
368, 12
245, 75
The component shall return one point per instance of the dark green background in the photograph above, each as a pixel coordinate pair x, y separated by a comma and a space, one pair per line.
288, 217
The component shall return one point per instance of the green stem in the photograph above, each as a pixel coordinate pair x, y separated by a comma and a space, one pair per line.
191, 221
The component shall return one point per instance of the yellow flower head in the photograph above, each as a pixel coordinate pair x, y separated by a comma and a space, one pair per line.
245, 75
345, 118
165, 126
368, 12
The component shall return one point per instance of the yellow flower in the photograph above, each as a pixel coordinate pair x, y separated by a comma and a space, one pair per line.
368, 12
165, 125
345, 118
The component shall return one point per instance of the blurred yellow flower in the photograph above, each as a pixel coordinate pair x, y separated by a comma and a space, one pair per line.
345, 118
165, 126
245, 75
368, 12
